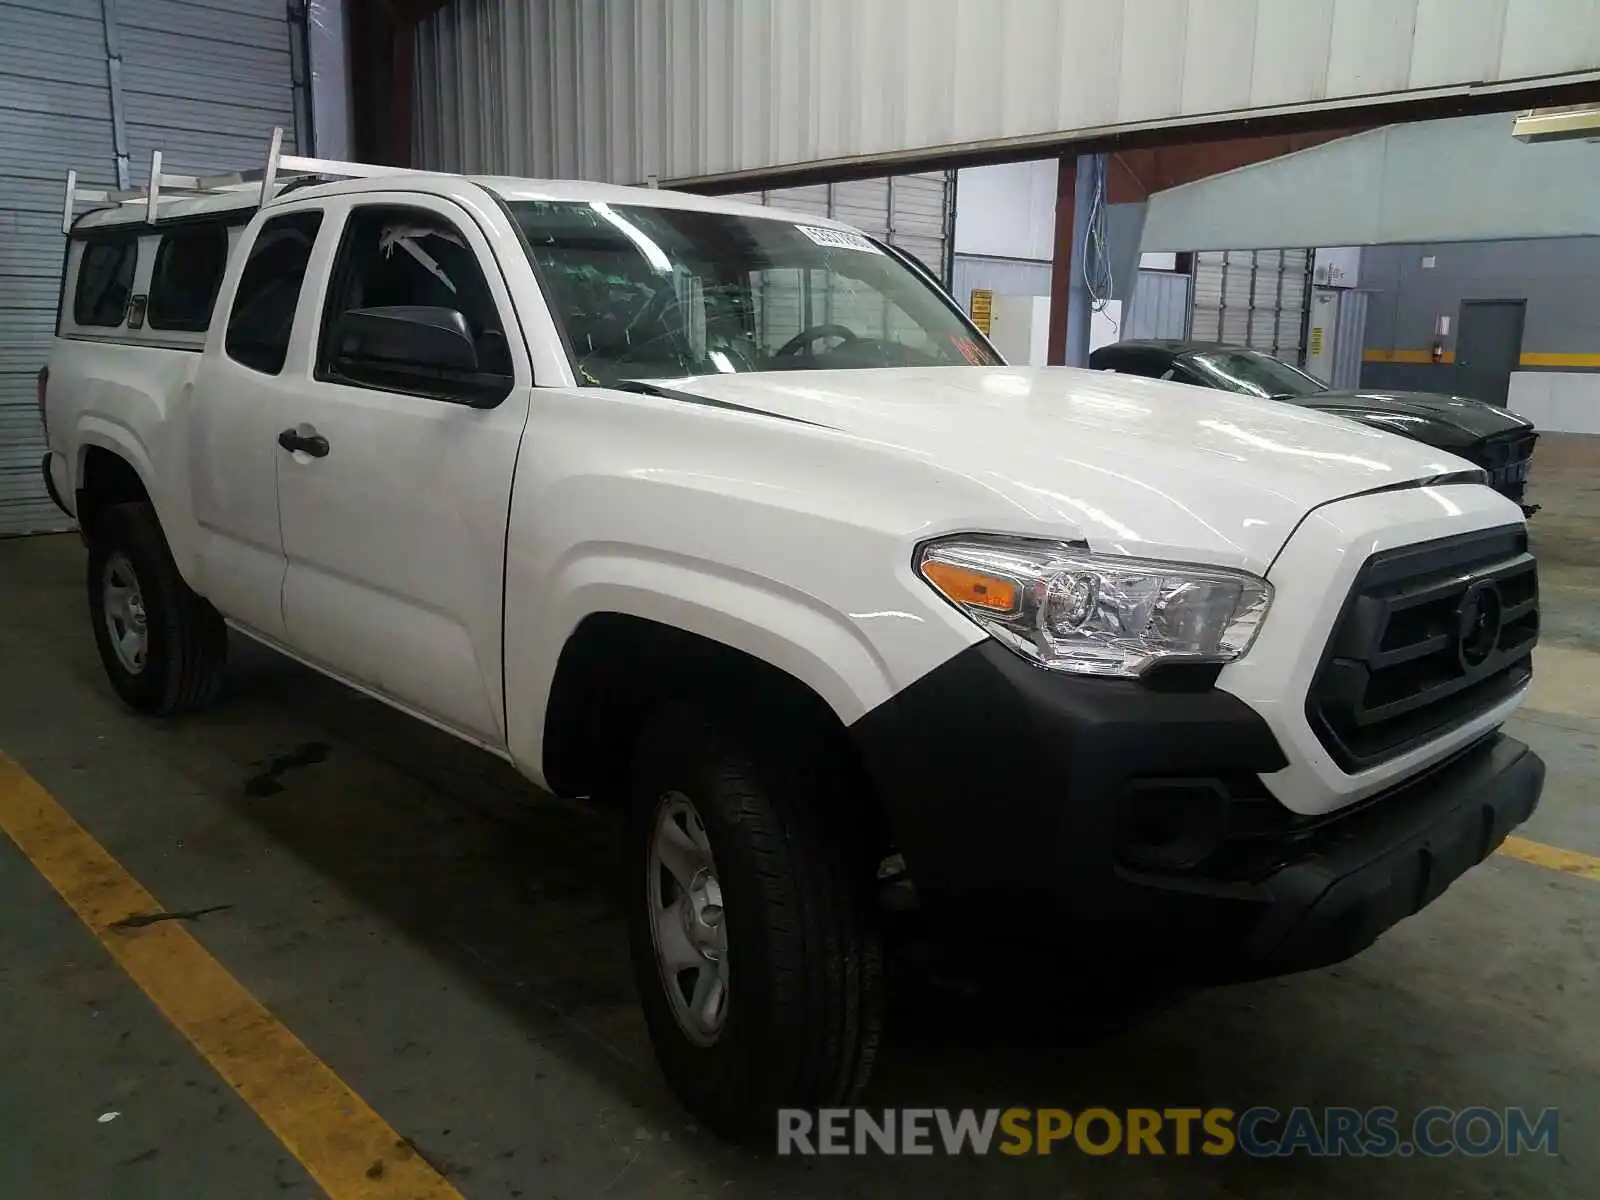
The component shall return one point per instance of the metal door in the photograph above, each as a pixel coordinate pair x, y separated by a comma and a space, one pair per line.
1488, 348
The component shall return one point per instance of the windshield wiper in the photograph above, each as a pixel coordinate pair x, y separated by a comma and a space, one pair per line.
645, 388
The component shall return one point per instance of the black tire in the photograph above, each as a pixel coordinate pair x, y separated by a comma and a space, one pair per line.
804, 955
186, 641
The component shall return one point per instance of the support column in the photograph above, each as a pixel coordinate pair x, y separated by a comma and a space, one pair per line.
1061, 259
1069, 298
1079, 313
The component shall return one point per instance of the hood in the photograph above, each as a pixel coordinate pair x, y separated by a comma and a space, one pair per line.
1468, 420
1133, 466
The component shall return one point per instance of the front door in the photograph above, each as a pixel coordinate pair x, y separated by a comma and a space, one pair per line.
1488, 348
395, 465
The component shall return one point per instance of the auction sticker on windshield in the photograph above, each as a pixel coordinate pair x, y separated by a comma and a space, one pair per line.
842, 239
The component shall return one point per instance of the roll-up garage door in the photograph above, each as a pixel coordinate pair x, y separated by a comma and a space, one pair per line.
82, 82
1254, 298
910, 212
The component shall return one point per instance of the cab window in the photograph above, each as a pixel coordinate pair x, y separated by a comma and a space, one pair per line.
186, 275
269, 292
105, 280
409, 309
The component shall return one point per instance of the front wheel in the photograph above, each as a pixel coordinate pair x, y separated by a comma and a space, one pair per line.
751, 920
163, 647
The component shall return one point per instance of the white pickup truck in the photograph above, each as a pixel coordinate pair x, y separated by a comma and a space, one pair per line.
729, 517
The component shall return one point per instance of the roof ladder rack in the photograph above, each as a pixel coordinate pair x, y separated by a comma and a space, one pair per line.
266, 180
88, 195
279, 164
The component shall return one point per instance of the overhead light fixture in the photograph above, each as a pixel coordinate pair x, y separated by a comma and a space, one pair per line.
1569, 123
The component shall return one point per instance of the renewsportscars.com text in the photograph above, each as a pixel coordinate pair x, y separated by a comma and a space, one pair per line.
1259, 1132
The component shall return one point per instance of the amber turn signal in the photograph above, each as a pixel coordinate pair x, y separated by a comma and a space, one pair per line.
974, 588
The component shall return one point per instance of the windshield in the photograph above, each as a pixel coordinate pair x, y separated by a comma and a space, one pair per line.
654, 293
1253, 373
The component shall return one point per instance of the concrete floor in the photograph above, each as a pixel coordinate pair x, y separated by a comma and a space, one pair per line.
444, 938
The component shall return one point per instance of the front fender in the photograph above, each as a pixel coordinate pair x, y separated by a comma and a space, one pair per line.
823, 648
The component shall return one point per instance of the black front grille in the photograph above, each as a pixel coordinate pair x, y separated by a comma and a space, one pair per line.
1431, 636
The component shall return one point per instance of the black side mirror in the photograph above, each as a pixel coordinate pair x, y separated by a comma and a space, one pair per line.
418, 337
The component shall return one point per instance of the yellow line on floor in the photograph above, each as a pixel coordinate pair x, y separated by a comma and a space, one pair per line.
1569, 862
347, 1147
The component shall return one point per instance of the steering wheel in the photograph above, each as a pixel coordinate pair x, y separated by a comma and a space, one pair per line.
806, 336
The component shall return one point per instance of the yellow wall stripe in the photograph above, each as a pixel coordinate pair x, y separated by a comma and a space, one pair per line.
1569, 862
1530, 358
1543, 359
1403, 356
347, 1148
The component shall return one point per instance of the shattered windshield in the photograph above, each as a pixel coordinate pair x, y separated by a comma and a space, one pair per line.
1254, 373
657, 293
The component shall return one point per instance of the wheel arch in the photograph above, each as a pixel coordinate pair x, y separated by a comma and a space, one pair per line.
114, 466
616, 667
106, 473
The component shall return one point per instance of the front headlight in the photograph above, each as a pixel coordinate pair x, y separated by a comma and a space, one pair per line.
1094, 614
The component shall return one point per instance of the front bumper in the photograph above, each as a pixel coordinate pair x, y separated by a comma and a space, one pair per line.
1370, 869
1127, 821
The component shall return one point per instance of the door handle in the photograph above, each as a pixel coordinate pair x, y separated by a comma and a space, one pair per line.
315, 445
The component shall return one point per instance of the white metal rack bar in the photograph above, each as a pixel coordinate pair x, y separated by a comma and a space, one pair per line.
264, 181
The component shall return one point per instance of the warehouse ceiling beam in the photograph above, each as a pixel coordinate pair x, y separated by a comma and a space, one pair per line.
1335, 122
1137, 171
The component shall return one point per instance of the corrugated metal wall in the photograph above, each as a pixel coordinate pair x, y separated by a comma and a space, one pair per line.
1349, 338
1158, 308
1002, 276
1253, 298
54, 114
202, 80
685, 89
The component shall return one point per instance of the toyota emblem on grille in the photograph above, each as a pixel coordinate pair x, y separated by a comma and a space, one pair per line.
1478, 624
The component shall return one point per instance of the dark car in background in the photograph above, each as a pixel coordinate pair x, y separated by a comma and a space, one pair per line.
1493, 438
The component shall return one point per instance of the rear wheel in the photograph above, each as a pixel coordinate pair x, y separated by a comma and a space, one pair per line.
752, 921
163, 647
